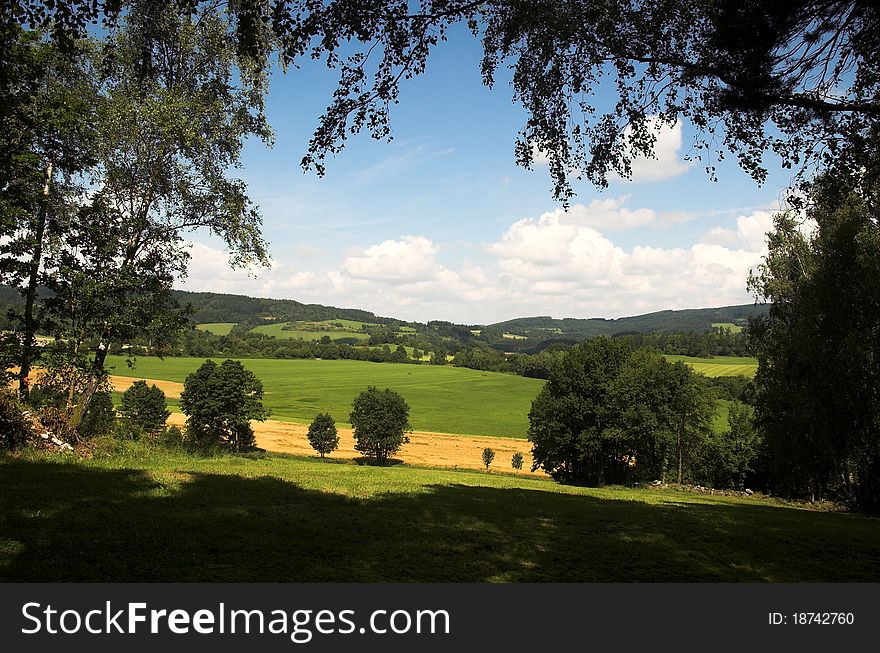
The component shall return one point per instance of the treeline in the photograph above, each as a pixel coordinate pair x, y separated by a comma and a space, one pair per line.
717, 342
203, 344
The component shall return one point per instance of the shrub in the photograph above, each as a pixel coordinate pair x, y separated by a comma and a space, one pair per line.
126, 429
517, 461
488, 457
145, 406
15, 428
323, 435
100, 418
381, 422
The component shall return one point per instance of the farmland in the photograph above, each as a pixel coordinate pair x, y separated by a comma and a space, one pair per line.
443, 399
730, 326
280, 518
217, 328
279, 331
720, 365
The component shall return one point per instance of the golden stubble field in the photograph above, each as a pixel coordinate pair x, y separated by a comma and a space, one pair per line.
424, 448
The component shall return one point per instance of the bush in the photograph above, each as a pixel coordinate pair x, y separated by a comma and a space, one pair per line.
15, 428
516, 462
323, 435
128, 430
100, 418
381, 422
488, 457
220, 401
145, 406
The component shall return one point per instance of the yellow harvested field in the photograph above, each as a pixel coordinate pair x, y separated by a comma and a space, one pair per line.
429, 449
424, 448
172, 389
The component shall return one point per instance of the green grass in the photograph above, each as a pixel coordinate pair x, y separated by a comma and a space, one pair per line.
720, 365
730, 326
721, 421
444, 399
217, 328
152, 516
278, 331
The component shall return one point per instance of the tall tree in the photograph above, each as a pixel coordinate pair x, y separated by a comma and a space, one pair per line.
178, 105
818, 378
48, 100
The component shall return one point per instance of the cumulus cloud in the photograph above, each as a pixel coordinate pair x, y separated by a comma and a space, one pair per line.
666, 163
408, 260
750, 232
568, 267
561, 264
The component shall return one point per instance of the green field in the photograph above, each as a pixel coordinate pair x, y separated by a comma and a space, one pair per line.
145, 516
444, 399
720, 365
278, 331
730, 326
217, 328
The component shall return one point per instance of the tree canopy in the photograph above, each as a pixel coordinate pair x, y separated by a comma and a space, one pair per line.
798, 77
612, 415
380, 419
818, 377
220, 401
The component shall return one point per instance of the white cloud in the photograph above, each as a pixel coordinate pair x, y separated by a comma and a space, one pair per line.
408, 260
561, 264
750, 233
667, 161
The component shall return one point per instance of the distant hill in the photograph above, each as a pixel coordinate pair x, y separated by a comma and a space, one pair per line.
219, 307
528, 333
520, 334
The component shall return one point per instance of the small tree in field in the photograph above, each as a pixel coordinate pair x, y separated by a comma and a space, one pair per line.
488, 457
145, 407
381, 422
322, 434
517, 461
220, 401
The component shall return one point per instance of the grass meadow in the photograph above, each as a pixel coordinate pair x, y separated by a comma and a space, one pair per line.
217, 328
442, 399
278, 331
720, 365
730, 326
141, 515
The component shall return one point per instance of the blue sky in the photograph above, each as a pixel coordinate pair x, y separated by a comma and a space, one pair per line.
441, 224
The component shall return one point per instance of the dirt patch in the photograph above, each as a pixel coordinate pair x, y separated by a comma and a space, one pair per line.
172, 389
424, 448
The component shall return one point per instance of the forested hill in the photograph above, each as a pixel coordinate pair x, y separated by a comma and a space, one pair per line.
218, 307
696, 320
209, 307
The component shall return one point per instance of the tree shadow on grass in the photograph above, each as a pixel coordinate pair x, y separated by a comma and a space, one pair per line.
64, 522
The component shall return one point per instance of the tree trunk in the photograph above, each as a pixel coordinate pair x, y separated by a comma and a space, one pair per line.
30, 326
94, 378
680, 440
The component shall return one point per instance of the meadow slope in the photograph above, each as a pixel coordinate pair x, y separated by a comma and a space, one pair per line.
141, 515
